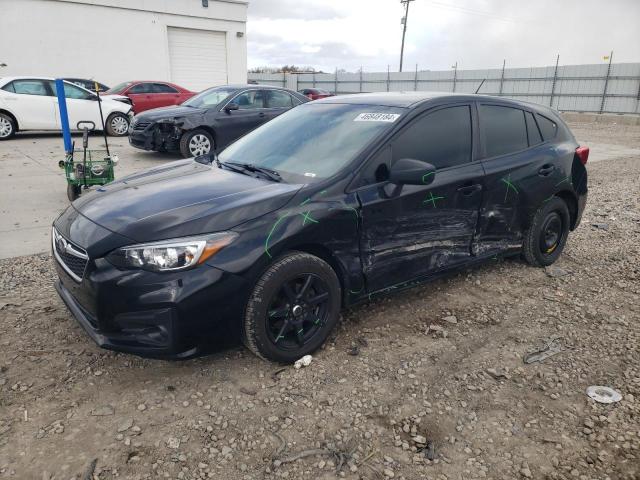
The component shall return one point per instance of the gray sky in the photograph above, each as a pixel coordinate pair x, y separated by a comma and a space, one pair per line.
476, 33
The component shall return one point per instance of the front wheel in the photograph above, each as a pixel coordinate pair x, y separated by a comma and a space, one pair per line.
117, 125
547, 235
196, 142
292, 309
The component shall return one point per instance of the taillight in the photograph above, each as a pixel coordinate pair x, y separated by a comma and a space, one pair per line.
583, 154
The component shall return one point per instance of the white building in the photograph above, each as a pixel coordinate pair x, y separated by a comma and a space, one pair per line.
194, 43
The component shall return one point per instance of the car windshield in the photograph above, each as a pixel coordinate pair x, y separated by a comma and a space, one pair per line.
118, 88
312, 142
210, 97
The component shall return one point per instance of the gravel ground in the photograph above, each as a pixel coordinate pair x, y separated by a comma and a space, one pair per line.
429, 383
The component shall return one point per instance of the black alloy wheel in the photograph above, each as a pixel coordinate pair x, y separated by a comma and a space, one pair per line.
297, 311
293, 308
547, 235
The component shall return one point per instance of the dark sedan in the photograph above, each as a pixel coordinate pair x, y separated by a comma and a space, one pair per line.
211, 120
335, 202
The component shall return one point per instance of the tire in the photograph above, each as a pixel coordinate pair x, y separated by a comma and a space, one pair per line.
284, 324
7, 127
73, 191
196, 142
547, 235
117, 125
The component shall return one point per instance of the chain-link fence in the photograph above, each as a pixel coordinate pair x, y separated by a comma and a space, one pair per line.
600, 88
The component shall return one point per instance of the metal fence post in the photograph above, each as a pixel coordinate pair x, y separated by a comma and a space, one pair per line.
555, 79
335, 86
314, 79
606, 83
455, 76
415, 80
361, 79
388, 78
502, 78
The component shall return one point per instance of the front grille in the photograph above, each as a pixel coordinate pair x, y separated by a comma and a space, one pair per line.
71, 257
140, 125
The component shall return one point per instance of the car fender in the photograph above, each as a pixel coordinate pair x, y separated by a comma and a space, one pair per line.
317, 222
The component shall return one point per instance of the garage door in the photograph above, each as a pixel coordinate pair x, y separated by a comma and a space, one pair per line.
198, 58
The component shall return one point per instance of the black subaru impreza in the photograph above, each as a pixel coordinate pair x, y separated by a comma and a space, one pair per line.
332, 203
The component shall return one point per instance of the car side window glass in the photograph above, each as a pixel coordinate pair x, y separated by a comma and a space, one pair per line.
9, 88
532, 130
442, 138
163, 88
549, 128
279, 99
251, 99
504, 129
141, 88
73, 91
30, 87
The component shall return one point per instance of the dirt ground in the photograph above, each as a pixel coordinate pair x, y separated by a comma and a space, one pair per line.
426, 384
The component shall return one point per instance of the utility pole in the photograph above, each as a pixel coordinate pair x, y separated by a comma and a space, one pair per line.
404, 26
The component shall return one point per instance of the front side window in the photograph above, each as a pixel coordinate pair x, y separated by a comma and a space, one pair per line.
279, 99
251, 99
504, 129
210, 97
73, 91
30, 87
441, 138
313, 142
141, 88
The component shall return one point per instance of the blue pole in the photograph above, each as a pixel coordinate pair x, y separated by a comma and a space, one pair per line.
64, 116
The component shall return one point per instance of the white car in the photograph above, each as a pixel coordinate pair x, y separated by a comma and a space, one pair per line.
30, 103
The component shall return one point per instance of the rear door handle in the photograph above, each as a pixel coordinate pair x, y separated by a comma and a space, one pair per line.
261, 114
470, 189
546, 170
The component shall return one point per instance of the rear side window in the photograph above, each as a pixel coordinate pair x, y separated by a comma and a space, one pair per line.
279, 99
9, 88
442, 138
504, 129
30, 87
549, 128
163, 88
532, 130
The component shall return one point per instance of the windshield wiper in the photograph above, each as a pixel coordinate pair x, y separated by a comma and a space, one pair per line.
267, 172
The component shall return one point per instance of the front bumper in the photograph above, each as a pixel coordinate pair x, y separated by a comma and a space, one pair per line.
173, 315
156, 136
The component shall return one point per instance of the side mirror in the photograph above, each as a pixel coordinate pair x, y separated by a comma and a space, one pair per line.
412, 172
231, 106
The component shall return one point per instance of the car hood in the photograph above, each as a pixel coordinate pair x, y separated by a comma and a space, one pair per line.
180, 199
156, 114
113, 97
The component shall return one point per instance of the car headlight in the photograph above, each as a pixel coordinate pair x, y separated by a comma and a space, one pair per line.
171, 255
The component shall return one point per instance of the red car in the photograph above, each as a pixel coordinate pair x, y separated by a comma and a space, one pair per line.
315, 93
146, 95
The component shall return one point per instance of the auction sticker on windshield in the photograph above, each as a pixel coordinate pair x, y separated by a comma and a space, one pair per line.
377, 117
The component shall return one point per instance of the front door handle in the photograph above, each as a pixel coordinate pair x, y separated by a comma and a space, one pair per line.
546, 170
468, 190
261, 114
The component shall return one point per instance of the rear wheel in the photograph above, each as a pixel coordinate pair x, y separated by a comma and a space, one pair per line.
7, 127
73, 191
545, 239
292, 309
117, 125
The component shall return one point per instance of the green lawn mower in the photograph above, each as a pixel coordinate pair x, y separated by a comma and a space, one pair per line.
96, 166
